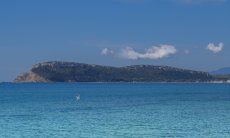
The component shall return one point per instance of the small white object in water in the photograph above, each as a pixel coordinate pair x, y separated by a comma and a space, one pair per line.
78, 97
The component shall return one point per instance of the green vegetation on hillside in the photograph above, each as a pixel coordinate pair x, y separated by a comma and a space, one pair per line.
78, 72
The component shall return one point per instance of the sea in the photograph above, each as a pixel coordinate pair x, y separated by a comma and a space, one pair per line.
114, 110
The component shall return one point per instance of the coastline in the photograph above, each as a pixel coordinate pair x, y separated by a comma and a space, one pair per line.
214, 82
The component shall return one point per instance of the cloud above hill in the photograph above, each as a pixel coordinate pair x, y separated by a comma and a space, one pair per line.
106, 51
215, 48
154, 52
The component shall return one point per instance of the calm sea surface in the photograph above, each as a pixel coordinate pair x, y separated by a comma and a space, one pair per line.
114, 110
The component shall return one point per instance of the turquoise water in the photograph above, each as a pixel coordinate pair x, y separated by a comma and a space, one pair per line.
114, 110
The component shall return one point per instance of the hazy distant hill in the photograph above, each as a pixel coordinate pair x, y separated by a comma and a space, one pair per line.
78, 72
222, 71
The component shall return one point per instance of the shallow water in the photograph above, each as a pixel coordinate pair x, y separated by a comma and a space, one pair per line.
114, 110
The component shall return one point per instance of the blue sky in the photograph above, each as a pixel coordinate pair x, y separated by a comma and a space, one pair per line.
191, 34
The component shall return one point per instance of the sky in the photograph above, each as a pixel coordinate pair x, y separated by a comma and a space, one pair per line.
191, 34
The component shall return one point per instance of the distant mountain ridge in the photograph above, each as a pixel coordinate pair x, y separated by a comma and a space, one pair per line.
79, 72
222, 71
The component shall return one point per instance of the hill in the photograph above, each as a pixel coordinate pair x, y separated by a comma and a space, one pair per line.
222, 71
79, 72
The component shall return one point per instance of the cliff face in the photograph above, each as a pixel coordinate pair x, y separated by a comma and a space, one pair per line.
30, 77
78, 72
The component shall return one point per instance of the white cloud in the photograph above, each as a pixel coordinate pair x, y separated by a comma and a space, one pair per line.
154, 52
215, 48
106, 51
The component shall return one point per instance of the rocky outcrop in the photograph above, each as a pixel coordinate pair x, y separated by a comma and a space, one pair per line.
30, 77
79, 72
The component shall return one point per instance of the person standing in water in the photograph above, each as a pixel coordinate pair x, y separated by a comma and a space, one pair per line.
78, 97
